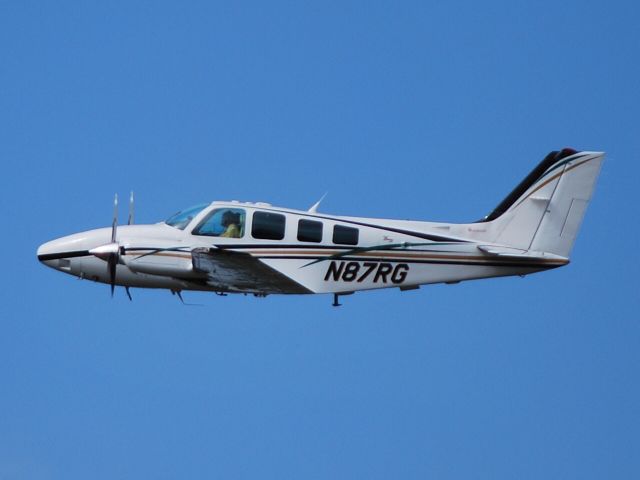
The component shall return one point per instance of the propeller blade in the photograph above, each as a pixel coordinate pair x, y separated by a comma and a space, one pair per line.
130, 221
114, 225
112, 259
112, 262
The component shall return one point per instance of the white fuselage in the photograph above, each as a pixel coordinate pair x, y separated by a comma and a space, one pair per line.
321, 253
260, 249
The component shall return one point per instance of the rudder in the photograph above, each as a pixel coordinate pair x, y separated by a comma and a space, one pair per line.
563, 217
545, 211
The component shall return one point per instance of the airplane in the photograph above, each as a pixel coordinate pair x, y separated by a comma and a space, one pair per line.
256, 248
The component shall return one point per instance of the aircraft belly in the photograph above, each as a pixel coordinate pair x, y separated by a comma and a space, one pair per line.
125, 276
95, 269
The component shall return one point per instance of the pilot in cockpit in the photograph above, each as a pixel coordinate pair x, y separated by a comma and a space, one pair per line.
231, 223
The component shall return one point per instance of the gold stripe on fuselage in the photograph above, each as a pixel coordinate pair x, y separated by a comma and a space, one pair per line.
378, 254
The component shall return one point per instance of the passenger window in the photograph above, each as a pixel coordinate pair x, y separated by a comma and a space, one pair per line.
222, 222
309, 231
269, 226
345, 235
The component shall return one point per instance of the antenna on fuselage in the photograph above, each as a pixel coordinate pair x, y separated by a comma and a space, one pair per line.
314, 207
179, 294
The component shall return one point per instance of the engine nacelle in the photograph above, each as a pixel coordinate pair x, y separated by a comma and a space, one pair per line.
156, 265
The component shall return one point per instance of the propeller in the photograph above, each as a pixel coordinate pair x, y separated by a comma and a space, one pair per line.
114, 256
130, 221
111, 251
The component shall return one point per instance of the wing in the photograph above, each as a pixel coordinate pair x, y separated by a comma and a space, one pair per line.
238, 271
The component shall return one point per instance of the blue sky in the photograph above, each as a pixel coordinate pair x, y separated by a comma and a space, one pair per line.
397, 109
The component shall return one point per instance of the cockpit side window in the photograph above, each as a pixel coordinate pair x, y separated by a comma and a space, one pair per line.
183, 217
222, 222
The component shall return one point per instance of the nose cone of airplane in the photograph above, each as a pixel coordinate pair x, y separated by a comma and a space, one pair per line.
46, 251
49, 249
59, 252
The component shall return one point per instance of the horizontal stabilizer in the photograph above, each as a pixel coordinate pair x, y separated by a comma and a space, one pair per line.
501, 251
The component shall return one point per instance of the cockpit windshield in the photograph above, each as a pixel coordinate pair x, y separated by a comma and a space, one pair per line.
183, 217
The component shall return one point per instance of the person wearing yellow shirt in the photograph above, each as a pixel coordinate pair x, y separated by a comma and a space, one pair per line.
231, 222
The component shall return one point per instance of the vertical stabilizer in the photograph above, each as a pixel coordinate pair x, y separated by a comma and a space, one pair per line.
560, 224
545, 211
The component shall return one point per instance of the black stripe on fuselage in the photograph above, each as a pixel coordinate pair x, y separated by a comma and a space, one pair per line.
507, 264
511, 263
306, 246
57, 256
375, 258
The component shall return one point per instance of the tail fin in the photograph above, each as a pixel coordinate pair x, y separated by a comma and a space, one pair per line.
544, 212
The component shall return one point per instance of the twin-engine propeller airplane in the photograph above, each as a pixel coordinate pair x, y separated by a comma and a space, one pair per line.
255, 248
